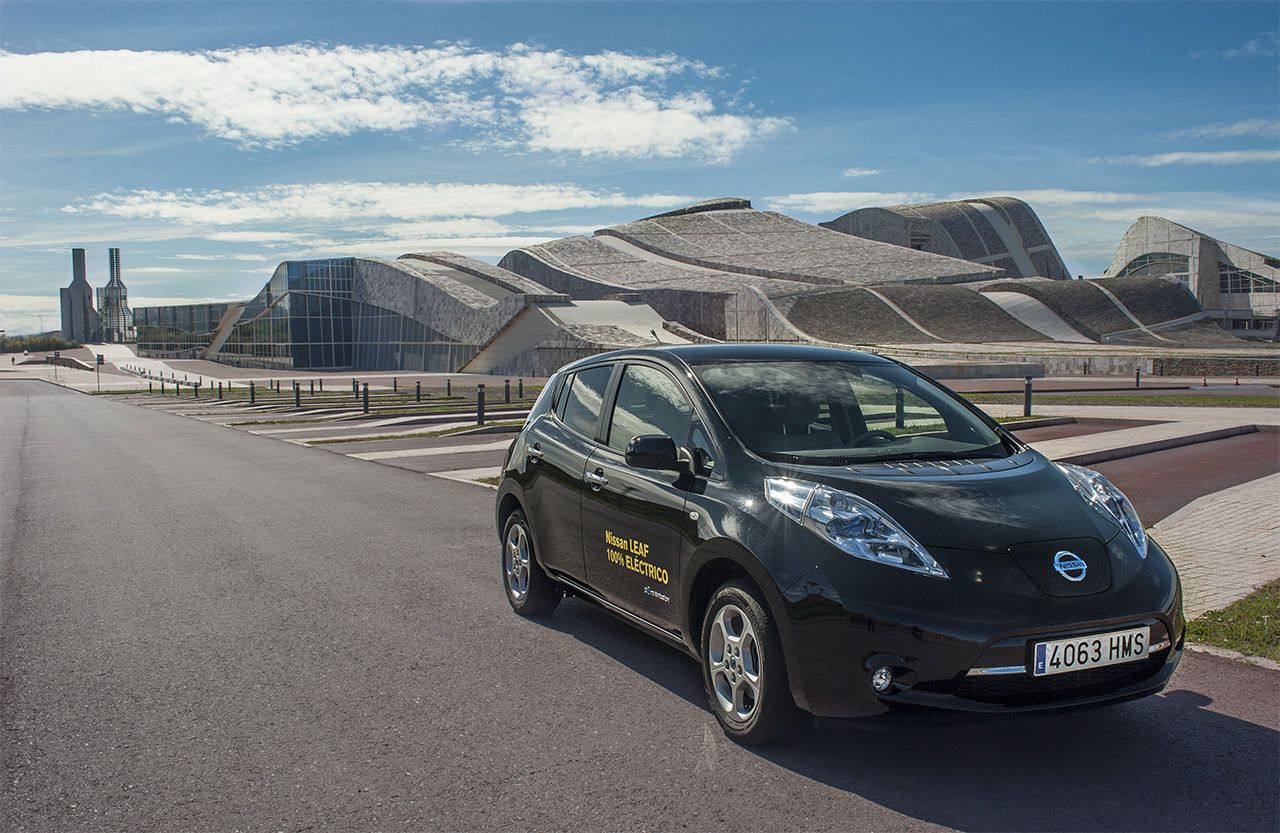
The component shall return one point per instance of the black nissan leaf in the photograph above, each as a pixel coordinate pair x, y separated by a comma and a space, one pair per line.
828, 532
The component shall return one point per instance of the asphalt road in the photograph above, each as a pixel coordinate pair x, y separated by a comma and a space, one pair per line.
205, 629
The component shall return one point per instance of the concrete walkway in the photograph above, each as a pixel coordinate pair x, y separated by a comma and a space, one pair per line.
1225, 545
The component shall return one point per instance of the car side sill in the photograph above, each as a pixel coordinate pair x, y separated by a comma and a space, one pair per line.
670, 637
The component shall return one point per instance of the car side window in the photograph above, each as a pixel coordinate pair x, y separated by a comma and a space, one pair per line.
649, 402
562, 396
586, 396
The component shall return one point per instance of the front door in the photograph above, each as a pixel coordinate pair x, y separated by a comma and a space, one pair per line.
633, 520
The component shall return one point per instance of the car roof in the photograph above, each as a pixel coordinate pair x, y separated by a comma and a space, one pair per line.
691, 354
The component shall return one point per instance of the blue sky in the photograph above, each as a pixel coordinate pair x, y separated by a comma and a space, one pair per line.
212, 140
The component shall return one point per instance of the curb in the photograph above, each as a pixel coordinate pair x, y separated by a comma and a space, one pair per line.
1227, 653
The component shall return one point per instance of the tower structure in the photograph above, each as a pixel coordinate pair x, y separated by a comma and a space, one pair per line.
79, 319
113, 303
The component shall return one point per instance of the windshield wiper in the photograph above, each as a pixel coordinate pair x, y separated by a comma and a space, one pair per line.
922, 456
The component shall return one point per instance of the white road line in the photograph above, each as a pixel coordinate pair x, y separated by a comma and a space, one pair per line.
470, 475
437, 451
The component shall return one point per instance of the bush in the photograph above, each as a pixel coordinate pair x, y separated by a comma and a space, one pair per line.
36, 344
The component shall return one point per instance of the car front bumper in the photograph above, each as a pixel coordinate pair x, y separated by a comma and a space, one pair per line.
953, 645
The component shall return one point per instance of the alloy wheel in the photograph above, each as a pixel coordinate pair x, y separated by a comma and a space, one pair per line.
515, 562
733, 658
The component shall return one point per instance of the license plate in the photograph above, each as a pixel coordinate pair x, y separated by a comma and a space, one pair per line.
1063, 655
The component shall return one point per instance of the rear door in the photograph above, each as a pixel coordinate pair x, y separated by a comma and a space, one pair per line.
559, 445
633, 520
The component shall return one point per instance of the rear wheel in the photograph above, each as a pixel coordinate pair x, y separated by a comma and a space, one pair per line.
529, 590
743, 669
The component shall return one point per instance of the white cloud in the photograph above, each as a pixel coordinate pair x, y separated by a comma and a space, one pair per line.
860, 172
603, 104
1055, 196
393, 247
461, 206
1194, 157
156, 270
633, 123
244, 257
838, 202
249, 236
22, 314
1265, 45
1228, 130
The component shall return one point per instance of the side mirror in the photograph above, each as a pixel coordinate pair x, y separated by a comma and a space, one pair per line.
653, 451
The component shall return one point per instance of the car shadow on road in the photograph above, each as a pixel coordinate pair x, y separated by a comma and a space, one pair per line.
1161, 763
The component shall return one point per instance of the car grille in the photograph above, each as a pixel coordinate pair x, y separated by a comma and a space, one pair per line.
1026, 690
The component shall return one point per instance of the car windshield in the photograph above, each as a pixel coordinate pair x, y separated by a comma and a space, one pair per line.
842, 413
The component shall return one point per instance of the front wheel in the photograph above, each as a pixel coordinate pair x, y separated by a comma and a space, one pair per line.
529, 590
743, 669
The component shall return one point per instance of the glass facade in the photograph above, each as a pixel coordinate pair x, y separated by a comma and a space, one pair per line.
178, 331
1157, 264
305, 318
1233, 279
300, 319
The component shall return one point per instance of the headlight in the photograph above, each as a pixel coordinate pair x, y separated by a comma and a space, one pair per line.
1101, 494
851, 523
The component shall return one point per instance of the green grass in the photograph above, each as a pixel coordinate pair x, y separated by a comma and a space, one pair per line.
418, 434
1175, 400
1250, 625
491, 481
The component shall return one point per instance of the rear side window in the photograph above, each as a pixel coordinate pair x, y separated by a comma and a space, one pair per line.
649, 402
586, 396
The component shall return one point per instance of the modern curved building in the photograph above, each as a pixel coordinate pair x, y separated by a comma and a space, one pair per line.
729, 271
1237, 287
1001, 232
427, 312
715, 270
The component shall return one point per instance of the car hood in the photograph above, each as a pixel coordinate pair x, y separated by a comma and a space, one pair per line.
983, 505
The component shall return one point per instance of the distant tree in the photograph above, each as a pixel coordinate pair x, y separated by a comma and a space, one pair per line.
36, 344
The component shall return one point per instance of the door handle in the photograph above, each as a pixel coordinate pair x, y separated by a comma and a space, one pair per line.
535, 452
596, 479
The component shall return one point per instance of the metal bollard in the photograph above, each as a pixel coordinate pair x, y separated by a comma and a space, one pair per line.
520, 389
418, 392
313, 387
479, 404
899, 410
1137, 377
365, 400
219, 390
252, 394
355, 389
162, 386
177, 389
297, 395
448, 387
151, 387
395, 385
196, 389
507, 390
1026, 398
322, 385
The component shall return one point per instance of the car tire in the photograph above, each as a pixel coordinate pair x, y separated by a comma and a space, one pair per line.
743, 670
529, 590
